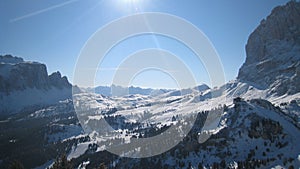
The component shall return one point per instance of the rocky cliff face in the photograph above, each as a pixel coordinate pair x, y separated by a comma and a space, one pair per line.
24, 84
273, 52
17, 75
56, 80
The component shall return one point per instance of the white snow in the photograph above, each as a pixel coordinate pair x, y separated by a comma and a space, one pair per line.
17, 100
78, 150
63, 132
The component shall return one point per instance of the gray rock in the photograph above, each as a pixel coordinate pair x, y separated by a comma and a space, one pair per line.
16, 75
10, 59
273, 52
27, 84
55, 79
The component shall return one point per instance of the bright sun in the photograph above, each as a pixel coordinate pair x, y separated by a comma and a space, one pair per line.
130, 1
131, 5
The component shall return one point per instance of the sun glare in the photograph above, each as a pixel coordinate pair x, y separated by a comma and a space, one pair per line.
130, 1
130, 5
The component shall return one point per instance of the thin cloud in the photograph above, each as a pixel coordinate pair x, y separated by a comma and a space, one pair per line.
42, 10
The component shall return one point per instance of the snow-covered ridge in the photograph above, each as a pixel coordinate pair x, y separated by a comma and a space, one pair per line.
115, 90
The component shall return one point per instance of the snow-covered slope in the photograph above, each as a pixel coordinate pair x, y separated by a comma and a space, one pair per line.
250, 132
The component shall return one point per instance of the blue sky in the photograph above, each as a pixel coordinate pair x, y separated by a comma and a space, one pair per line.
54, 31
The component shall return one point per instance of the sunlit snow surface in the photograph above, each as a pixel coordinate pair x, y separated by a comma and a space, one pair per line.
133, 113
160, 110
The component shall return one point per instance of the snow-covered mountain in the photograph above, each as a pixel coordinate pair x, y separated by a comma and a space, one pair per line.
273, 52
250, 122
250, 134
272, 67
115, 90
24, 83
259, 126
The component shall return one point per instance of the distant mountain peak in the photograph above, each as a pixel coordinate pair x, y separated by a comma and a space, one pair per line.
201, 87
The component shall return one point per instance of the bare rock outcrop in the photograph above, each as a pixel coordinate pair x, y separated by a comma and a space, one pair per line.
273, 52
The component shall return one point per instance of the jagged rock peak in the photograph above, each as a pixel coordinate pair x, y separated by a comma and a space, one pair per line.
273, 51
10, 59
55, 79
18, 75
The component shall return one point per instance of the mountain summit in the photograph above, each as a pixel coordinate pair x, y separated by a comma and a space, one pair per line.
25, 83
18, 75
273, 52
